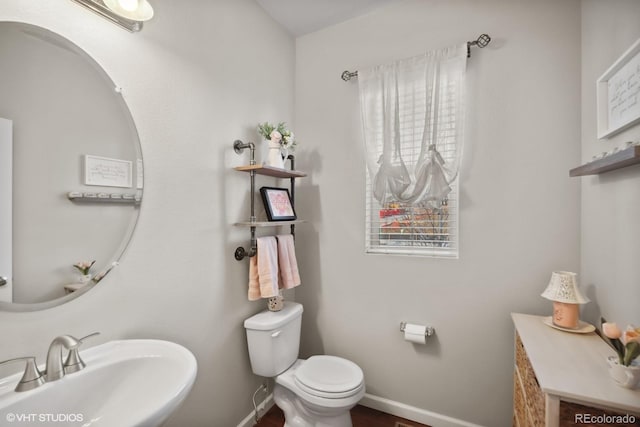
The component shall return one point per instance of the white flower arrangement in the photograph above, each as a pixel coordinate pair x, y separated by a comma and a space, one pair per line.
278, 134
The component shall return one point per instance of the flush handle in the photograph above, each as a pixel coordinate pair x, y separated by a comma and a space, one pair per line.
3, 280
276, 334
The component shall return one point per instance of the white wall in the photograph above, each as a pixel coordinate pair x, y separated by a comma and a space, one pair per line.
199, 77
196, 78
610, 202
519, 216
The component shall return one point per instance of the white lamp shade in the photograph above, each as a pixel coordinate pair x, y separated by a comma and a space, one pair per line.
563, 287
143, 11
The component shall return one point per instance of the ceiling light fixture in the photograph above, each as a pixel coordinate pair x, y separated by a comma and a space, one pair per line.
128, 14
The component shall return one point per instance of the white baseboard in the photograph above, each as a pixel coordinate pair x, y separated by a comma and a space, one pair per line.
412, 413
381, 404
264, 406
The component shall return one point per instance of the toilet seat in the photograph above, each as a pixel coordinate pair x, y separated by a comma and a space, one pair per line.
329, 377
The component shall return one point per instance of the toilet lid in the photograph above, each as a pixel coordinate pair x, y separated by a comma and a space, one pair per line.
329, 376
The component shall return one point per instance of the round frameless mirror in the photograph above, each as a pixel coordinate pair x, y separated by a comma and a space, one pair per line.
70, 169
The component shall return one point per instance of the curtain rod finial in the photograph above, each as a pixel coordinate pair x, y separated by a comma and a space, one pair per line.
348, 75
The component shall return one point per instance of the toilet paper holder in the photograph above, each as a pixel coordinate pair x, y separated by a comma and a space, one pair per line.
427, 333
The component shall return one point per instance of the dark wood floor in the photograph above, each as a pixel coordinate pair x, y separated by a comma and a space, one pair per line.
360, 415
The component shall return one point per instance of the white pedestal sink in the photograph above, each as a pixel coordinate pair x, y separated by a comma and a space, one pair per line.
125, 383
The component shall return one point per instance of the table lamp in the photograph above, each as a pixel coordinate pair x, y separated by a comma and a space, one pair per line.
563, 291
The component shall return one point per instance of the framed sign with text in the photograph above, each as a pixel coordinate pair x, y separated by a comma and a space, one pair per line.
107, 172
618, 94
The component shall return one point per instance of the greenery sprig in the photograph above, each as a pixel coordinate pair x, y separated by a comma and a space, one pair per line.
84, 266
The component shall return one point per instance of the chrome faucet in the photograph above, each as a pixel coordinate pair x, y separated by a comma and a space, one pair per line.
33, 378
55, 369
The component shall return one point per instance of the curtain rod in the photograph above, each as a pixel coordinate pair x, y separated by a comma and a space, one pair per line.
482, 41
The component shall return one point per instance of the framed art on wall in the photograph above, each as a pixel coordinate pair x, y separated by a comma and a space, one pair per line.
107, 172
277, 204
618, 94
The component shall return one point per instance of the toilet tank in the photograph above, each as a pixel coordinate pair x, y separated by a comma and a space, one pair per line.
274, 339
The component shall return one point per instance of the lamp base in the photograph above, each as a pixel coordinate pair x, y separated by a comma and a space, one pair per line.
566, 315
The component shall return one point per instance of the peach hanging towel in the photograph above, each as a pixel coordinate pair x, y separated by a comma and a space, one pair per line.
289, 275
263, 270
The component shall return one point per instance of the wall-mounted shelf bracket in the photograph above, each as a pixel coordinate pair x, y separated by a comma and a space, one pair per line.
241, 252
239, 147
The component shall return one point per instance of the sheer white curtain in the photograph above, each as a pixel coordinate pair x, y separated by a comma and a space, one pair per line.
412, 113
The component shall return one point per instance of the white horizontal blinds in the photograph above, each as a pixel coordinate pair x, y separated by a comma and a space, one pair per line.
412, 117
414, 230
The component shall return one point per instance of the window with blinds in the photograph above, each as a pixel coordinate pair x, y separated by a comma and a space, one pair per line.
419, 228
398, 228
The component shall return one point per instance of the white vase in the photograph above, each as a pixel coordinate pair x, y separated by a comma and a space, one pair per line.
624, 376
274, 156
84, 279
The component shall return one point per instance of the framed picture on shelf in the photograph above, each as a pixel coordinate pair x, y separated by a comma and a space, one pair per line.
277, 204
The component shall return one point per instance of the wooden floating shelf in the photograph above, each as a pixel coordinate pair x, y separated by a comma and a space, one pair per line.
271, 171
621, 159
268, 223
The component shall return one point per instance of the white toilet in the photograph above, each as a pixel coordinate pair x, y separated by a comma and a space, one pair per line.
317, 392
